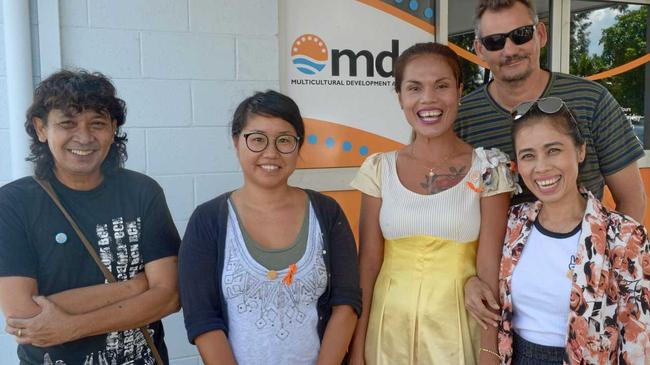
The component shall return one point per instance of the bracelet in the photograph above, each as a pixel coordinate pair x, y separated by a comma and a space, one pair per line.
491, 352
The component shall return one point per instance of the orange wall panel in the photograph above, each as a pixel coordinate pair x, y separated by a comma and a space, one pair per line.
350, 201
645, 175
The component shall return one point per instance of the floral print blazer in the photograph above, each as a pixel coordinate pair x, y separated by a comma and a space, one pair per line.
609, 313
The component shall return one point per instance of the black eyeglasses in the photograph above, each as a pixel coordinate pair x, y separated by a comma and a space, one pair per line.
519, 36
284, 143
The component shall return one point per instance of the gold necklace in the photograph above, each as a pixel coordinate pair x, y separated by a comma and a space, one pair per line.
442, 163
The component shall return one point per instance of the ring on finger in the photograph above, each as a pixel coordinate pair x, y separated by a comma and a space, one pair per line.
20, 332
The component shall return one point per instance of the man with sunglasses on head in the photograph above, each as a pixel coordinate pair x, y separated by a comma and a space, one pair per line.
509, 38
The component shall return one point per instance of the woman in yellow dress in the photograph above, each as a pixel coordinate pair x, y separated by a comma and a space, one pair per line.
428, 211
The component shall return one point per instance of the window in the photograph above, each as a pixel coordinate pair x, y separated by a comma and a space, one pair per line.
604, 36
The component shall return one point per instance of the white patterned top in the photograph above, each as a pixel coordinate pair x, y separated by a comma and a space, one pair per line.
271, 322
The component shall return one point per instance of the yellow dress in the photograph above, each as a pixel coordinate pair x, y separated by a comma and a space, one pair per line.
417, 313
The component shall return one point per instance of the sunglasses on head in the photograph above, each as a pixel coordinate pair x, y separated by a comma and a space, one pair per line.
519, 36
550, 105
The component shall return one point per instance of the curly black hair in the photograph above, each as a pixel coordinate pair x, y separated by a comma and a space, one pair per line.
73, 92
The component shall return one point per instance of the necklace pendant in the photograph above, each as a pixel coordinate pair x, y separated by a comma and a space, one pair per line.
431, 173
272, 274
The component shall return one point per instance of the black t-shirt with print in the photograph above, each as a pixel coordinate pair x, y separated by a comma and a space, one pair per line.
126, 218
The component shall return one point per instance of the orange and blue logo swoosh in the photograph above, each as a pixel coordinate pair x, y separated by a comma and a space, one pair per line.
309, 54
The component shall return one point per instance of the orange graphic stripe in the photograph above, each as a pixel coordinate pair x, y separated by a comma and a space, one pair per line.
621, 69
602, 75
320, 155
427, 27
380, 5
471, 57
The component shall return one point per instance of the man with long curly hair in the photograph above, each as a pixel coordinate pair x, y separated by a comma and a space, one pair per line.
53, 295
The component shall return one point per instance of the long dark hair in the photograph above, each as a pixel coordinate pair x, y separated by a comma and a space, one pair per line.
73, 92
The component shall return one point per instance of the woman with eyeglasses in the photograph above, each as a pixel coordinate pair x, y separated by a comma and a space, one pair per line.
574, 280
268, 272
432, 215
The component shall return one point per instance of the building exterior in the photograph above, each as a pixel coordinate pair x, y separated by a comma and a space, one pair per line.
181, 66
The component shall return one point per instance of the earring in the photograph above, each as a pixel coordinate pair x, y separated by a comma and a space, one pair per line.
459, 103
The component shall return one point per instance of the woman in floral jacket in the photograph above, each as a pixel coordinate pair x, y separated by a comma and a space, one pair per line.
575, 276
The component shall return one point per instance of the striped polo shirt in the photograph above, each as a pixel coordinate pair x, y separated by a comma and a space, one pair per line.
611, 142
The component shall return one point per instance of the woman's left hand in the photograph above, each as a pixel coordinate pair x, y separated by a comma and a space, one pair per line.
477, 294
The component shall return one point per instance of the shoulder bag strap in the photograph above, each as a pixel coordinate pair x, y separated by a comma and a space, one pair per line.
91, 251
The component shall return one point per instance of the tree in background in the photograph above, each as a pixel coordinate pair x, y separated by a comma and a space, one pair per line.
623, 42
580, 62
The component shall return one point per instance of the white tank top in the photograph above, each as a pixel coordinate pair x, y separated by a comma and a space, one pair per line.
270, 322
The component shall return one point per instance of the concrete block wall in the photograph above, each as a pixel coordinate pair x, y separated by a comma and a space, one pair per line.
181, 66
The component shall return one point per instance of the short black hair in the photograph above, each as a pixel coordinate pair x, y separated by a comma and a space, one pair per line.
268, 104
74, 92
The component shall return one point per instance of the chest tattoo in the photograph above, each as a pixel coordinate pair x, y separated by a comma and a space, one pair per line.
434, 183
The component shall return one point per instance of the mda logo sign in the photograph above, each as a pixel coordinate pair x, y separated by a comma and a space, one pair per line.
309, 54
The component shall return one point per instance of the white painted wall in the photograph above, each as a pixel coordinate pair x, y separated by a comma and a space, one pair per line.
5, 160
181, 66
7, 344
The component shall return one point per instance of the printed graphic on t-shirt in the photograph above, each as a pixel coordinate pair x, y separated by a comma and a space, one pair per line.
119, 251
